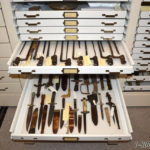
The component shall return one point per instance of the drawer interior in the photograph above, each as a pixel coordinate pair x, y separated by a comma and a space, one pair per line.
101, 132
73, 50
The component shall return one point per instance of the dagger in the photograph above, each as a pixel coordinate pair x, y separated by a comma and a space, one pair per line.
50, 81
64, 82
30, 109
116, 115
108, 82
52, 107
75, 111
61, 117
33, 122
101, 82
101, 106
93, 101
41, 110
44, 118
84, 112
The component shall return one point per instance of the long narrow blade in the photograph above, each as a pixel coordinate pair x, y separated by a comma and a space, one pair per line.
61, 119
40, 116
116, 115
44, 118
94, 114
51, 114
102, 113
84, 120
29, 116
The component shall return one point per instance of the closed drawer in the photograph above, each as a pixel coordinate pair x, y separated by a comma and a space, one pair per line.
1, 19
144, 22
144, 44
143, 30
143, 37
10, 88
141, 56
145, 14
55, 37
139, 62
71, 14
6, 78
5, 50
34, 30
3, 63
141, 50
142, 68
71, 22
4, 36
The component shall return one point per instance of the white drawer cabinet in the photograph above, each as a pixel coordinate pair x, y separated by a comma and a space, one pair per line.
2, 23
4, 38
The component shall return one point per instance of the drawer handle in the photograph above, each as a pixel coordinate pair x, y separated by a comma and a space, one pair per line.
4, 89
142, 64
109, 24
71, 37
70, 15
147, 31
144, 52
71, 23
34, 31
33, 24
35, 39
142, 69
139, 80
2, 77
148, 23
146, 45
144, 58
108, 31
146, 38
71, 30
110, 16
31, 16
107, 38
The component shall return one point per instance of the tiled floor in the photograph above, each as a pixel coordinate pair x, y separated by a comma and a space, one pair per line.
140, 119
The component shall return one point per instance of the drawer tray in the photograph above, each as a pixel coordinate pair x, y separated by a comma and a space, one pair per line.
101, 132
79, 50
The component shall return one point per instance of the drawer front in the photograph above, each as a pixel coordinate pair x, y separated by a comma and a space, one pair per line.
144, 22
71, 22
143, 30
3, 63
77, 0
137, 88
5, 50
144, 44
34, 30
143, 37
141, 50
142, 68
55, 37
93, 132
6, 78
2, 24
4, 37
70, 14
141, 56
145, 14
10, 88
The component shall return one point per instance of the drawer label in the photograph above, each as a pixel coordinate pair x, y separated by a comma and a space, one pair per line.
71, 30
70, 70
70, 14
71, 37
70, 23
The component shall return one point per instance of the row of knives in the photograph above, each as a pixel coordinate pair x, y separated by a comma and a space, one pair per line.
75, 116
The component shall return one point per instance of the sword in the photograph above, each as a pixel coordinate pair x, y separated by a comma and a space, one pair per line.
51, 109
84, 112
41, 110
93, 101
30, 109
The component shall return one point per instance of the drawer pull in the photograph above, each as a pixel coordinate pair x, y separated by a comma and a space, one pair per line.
144, 52
34, 31
142, 69
110, 16
148, 23
31, 16
70, 15
146, 45
71, 30
147, 31
70, 23
108, 31
35, 39
2, 77
139, 80
71, 37
146, 38
107, 38
33, 24
4, 89
109, 24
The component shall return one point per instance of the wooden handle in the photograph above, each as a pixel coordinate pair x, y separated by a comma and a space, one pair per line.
31, 16
32, 24
34, 32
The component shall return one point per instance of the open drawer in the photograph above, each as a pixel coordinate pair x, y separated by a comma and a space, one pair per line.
41, 60
99, 130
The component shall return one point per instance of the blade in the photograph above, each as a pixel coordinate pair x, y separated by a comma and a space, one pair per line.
51, 114
40, 116
94, 114
44, 118
75, 112
84, 121
61, 119
33, 122
29, 116
102, 113
116, 115
79, 123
